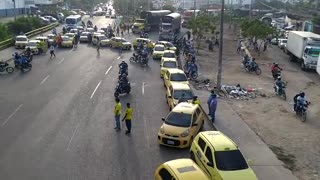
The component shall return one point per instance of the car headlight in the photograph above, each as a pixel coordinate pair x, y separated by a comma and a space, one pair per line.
185, 133
162, 130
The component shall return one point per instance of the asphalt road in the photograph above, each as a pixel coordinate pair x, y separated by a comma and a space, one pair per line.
56, 121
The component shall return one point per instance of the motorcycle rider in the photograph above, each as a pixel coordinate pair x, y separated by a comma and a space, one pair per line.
123, 81
192, 68
64, 30
123, 67
275, 69
295, 99
301, 101
28, 52
23, 61
279, 84
253, 64
54, 31
95, 28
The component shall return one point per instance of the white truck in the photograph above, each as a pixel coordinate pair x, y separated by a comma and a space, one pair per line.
304, 47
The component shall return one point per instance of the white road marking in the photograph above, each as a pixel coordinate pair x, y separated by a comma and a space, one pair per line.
61, 61
74, 132
95, 89
108, 70
119, 57
11, 115
143, 88
44, 80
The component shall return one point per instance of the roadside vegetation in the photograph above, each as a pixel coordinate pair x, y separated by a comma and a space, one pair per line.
23, 24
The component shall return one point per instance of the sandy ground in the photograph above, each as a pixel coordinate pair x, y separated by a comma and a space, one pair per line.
296, 143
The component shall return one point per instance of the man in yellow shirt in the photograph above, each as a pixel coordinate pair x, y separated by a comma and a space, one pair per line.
196, 100
117, 114
128, 118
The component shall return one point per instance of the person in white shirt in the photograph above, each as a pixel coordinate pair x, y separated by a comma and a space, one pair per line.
52, 51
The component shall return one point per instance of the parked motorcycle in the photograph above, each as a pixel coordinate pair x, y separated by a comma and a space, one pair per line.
192, 75
122, 90
4, 66
301, 111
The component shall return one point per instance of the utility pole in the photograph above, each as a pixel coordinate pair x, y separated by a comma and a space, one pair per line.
194, 9
219, 75
14, 10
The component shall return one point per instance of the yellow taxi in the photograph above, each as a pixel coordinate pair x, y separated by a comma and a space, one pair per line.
115, 42
178, 92
181, 125
167, 45
21, 41
71, 35
174, 76
142, 40
158, 51
104, 41
180, 169
219, 157
168, 54
66, 41
167, 64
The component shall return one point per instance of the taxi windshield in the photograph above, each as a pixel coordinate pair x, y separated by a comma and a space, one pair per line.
230, 160
85, 34
187, 94
102, 37
179, 119
169, 55
159, 48
65, 38
32, 44
178, 77
170, 64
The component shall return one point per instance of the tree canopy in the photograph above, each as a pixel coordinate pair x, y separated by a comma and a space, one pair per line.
256, 28
169, 7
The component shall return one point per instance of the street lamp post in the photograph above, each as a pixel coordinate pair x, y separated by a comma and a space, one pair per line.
219, 75
14, 9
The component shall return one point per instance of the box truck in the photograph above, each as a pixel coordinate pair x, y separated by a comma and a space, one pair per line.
304, 47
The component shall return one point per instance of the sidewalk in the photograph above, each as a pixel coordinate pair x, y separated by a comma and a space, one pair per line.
264, 161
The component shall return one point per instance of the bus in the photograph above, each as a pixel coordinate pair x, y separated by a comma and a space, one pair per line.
72, 22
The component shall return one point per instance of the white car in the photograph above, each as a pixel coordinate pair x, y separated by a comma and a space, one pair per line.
52, 19
282, 43
84, 37
21, 41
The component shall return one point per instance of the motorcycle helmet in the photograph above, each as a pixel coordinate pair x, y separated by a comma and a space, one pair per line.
279, 78
124, 75
302, 94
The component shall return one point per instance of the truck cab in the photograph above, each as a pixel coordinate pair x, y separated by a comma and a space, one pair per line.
310, 57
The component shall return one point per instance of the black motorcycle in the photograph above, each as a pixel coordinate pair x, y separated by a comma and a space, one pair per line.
4, 66
247, 66
135, 58
301, 111
144, 61
281, 91
122, 90
276, 74
25, 66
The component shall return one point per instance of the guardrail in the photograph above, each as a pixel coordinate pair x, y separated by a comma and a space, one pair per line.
9, 42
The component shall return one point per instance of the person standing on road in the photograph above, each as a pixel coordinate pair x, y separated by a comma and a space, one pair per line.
52, 51
213, 107
98, 44
209, 99
117, 114
128, 118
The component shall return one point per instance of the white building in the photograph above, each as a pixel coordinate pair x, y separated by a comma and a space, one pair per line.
7, 7
46, 2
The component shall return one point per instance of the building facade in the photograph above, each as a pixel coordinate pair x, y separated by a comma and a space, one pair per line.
7, 7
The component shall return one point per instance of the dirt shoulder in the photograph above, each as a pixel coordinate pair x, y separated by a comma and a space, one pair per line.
296, 143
